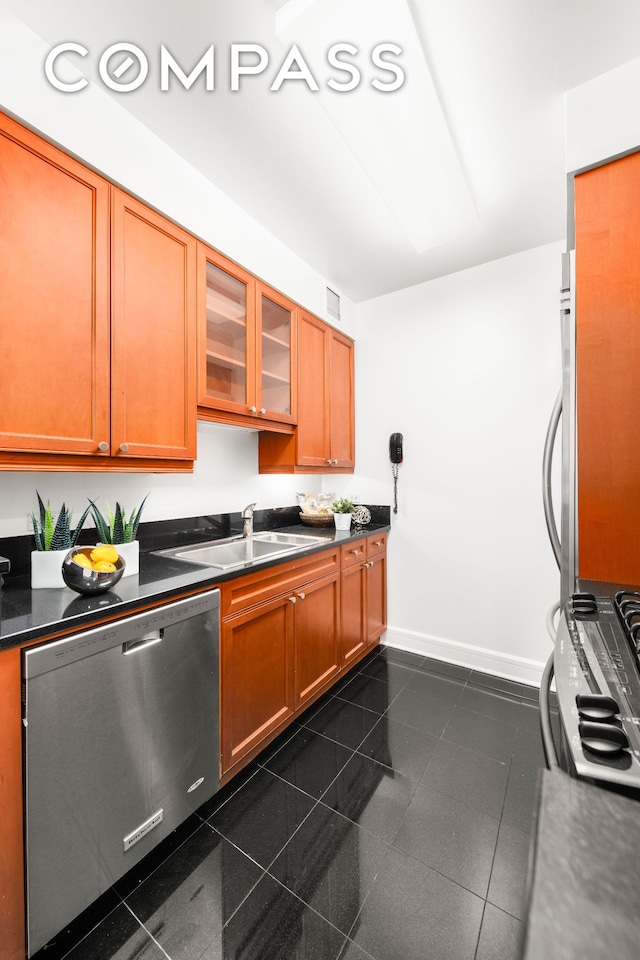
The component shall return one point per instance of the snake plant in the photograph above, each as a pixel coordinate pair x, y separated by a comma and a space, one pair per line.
116, 527
55, 534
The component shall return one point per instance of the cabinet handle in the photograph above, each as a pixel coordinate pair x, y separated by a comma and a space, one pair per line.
263, 410
377, 543
355, 551
292, 599
301, 596
335, 461
329, 462
253, 409
124, 448
103, 446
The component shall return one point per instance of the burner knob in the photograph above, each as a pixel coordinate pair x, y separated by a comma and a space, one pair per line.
604, 739
597, 707
584, 604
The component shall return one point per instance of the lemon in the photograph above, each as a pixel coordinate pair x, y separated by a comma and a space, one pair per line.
104, 566
82, 560
106, 552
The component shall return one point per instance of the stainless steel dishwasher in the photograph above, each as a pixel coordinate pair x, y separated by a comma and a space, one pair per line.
121, 737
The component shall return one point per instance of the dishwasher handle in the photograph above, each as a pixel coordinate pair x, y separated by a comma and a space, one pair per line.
141, 643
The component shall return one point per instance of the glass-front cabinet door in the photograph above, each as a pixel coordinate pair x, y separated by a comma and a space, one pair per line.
247, 344
276, 333
227, 342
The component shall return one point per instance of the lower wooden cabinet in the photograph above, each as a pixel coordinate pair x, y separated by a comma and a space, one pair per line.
364, 596
284, 644
317, 634
256, 675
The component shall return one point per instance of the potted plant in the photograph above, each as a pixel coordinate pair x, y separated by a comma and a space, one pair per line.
54, 538
120, 530
342, 508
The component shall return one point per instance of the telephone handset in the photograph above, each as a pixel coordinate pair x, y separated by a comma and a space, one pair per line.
396, 455
395, 448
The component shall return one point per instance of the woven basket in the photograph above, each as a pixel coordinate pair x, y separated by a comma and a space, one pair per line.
317, 520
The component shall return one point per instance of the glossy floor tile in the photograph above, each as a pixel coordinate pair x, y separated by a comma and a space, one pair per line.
391, 821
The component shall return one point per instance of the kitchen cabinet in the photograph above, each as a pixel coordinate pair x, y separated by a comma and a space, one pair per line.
97, 295
324, 438
54, 299
317, 634
12, 930
153, 373
288, 632
607, 305
256, 677
247, 347
279, 650
364, 604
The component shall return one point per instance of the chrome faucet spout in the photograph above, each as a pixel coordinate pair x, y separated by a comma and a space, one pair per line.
247, 520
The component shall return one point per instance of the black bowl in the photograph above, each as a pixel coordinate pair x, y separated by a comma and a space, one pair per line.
84, 580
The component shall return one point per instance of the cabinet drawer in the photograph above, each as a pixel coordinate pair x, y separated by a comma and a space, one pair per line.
353, 552
376, 545
238, 595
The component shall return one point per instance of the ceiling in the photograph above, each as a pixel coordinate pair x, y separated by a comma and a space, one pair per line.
500, 69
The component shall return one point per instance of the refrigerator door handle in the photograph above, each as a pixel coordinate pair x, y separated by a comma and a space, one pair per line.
547, 461
546, 732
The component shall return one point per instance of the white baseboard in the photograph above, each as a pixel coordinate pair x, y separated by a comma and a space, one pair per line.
466, 655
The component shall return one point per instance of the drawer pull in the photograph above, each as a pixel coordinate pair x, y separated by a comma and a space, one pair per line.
301, 596
377, 543
292, 599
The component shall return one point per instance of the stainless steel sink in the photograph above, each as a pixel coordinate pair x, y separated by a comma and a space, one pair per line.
296, 539
237, 551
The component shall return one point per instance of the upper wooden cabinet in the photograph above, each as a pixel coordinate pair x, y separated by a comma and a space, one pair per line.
54, 299
97, 301
153, 334
247, 347
324, 438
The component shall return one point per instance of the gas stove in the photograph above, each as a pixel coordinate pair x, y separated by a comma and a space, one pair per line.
597, 671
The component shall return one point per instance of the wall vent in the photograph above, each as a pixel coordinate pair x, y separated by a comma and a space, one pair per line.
333, 304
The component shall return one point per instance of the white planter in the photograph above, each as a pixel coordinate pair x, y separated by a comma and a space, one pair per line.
342, 521
130, 553
46, 568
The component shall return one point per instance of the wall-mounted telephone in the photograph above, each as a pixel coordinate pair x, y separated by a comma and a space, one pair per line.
396, 456
395, 448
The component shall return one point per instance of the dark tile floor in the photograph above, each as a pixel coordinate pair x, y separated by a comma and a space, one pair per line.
392, 822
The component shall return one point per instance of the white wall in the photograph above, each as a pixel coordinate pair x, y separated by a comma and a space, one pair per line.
225, 479
602, 116
467, 367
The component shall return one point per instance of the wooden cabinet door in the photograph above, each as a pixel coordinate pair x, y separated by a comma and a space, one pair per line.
324, 438
312, 432
54, 298
317, 632
12, 920
256, 677
153, 334
607, 231
341, 401
227, 335
275, 356
376, 603
354, 613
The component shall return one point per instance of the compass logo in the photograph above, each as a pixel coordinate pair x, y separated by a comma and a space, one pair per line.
124, 67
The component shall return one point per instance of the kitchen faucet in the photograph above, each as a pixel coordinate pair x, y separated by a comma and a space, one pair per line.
247, 520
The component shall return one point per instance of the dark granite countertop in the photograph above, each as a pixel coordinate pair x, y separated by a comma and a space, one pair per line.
584, 890
27, 615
